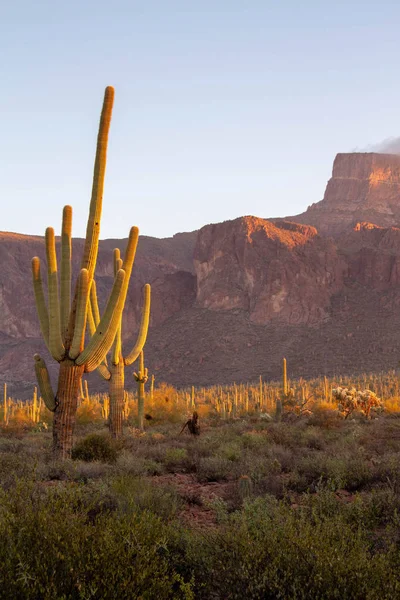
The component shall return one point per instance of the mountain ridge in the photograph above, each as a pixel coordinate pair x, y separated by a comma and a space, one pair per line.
229, 300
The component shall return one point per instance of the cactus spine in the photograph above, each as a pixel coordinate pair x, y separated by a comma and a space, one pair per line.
141, 377
63, 320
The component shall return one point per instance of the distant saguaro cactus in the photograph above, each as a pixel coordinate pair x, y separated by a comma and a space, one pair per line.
141, 378
287, 394
63, 320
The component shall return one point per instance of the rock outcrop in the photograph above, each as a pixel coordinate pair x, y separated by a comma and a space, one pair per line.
280, 271
363, 187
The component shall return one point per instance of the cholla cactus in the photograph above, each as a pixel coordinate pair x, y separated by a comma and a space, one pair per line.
352, 399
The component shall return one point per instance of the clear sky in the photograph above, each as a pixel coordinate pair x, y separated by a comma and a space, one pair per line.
223, 108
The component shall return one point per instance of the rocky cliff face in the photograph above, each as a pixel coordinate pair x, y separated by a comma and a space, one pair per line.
363, 187
281, 271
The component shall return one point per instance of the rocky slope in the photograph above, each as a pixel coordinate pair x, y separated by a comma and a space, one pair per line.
230, 300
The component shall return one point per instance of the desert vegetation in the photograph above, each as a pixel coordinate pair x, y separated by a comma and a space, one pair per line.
254, 507
285, 489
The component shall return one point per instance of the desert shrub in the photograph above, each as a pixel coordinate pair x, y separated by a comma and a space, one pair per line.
56, 470
269, 551
175, 457
313, 438
349, 472
11, 445
285, 457
86, 472
95, 447
14, 466
286, 435
325, 418
130, 464
53, 546
256, 440
135, 494
214, 468
231, 451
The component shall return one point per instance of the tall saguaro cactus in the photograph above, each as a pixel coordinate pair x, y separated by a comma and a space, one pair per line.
63, 319
114, 372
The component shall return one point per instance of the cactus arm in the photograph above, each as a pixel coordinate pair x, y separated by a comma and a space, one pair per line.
144, 326
93, 319
43, 378
104, 372
78, 341
90, 318
94, 303
100, 343
130, 253
116, 259
102, 340
65, 274
56, 345
39, 298
116, 349
90, 251
127, 265
93, 226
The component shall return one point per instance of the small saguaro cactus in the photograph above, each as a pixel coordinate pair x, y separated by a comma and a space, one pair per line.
5, 405
141, 378
63, 320
114, 372
287, 395
245, 487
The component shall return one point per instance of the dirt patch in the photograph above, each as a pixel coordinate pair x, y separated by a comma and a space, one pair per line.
197, 497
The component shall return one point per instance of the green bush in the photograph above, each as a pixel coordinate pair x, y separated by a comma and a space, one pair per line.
269, 551
96, 447
135, 494
51, 546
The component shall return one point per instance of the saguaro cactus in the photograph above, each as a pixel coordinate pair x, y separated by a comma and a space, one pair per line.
63, 320
141, 377
287, 394
114, 372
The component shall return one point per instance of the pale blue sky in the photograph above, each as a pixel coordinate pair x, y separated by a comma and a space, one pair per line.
222, 108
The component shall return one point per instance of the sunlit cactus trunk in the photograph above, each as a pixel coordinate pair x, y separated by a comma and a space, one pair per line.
141, 377
117, 398
66, 404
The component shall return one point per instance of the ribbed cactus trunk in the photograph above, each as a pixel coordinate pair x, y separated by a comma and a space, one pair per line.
66, 403
141, 405
116, 390
141, 378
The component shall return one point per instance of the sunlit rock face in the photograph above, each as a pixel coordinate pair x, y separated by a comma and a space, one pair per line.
275, 271
363, 187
